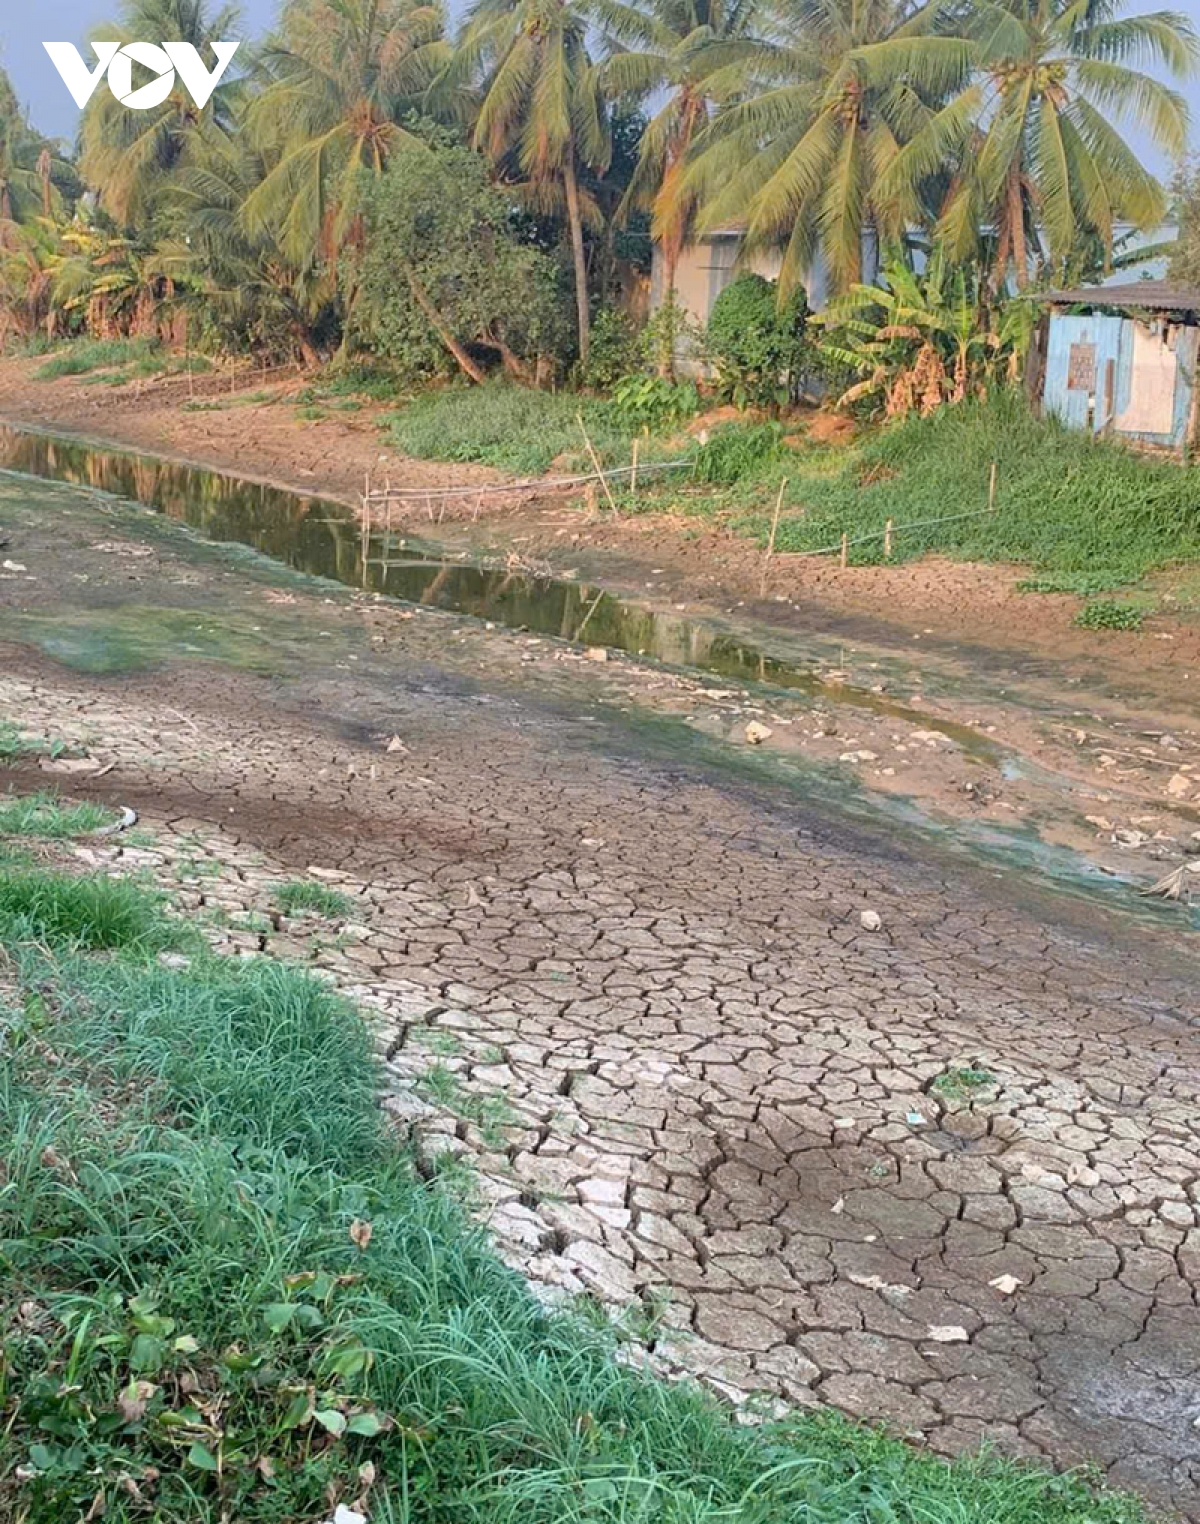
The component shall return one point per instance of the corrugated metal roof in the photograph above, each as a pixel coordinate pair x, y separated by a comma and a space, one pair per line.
1155, 295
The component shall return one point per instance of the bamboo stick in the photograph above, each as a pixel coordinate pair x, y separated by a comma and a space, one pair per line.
771, 541
612, 503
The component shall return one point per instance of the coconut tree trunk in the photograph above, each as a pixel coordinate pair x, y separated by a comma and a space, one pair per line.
1016, 229
44, 167
571, 185
670, 249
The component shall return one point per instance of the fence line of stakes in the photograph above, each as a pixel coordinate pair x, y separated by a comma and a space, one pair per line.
389, 498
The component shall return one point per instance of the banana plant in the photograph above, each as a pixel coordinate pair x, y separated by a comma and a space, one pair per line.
921, 341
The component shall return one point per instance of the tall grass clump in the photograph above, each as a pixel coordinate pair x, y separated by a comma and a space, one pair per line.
45, 817
1065, 502
297, 895
90, 912
96, 354
737, 452
231, 1296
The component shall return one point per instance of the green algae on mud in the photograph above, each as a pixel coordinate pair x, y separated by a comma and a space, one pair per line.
834, 806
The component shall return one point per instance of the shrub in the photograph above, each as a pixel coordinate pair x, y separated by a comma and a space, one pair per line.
442, 272
756, 345
669, 331
654, 403
612, 350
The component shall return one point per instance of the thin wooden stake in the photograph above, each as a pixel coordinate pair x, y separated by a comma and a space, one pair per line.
612, 503
845, 550
231, 375
478, 508
992, 489
633, 471
594, 606
771, 542
887, 541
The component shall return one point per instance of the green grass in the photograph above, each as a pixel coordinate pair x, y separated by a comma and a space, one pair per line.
97, 354
46, 817
1081, 584
511, 428
92, 912
227, 1284
154, 363
957, 1083
736, 452
374, 382
1066, 503
15, 744
1106, 614
300, 894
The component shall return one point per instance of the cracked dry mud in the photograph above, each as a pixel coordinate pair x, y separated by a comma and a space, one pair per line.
943, 1174
716, 1089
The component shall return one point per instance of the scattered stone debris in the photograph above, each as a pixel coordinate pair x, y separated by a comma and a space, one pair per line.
757, 733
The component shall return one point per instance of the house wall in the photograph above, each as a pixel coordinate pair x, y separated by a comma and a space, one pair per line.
1112, 374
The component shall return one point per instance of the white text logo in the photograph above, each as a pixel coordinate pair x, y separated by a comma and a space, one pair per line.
163, 62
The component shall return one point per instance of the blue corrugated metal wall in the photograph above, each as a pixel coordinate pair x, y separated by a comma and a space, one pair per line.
1082, 391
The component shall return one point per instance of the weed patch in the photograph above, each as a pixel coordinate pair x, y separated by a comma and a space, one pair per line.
1066, 503
1081, 584
91, 912
300, 894
1105, 614
14, 744
96, 354
737, 453
512, 429
45, 817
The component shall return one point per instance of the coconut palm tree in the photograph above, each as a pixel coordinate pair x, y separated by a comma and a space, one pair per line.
339, 76
240, 284
32, 171
126, 156
697, 52
798, 159
1035, 136
541, 108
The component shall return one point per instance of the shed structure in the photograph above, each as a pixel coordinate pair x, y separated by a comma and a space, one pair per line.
1122, 360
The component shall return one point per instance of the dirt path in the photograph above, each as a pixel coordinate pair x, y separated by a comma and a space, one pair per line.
941, 1169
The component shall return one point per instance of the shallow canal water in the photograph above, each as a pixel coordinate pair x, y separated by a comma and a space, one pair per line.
322, 538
